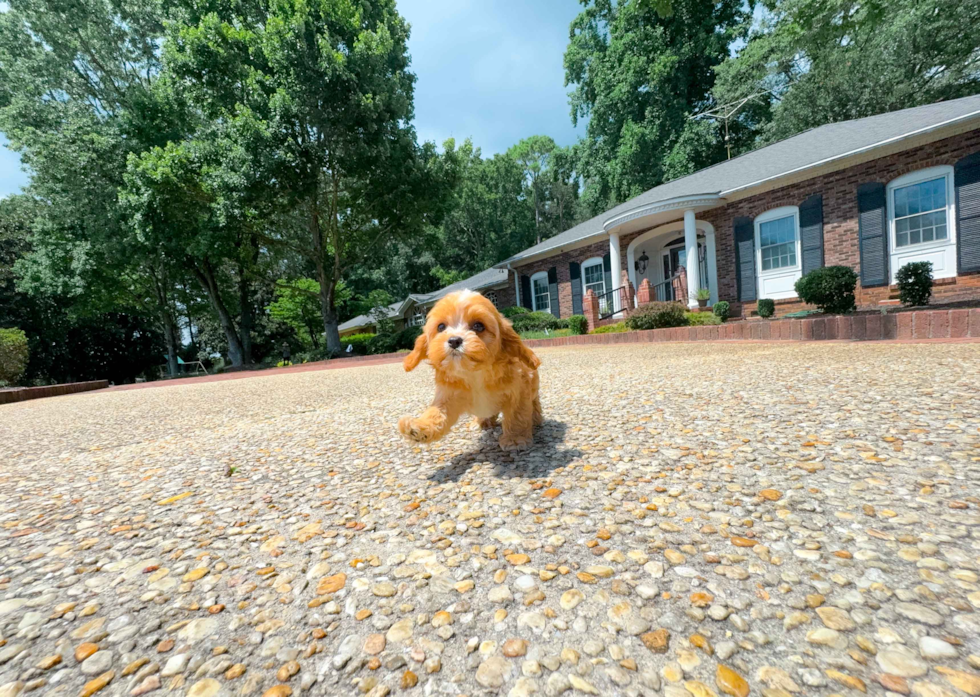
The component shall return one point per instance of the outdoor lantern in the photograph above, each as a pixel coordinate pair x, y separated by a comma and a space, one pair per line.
641, 264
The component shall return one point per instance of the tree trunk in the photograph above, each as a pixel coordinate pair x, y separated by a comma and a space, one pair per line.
210, 286
245, 325
327, 311
168, 322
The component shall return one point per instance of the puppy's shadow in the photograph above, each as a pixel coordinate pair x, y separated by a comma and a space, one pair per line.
544, 456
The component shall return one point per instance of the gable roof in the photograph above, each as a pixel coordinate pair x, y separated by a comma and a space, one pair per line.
485, 279
810, 149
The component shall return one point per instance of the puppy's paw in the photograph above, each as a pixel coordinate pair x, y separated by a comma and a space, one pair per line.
510, 441
416, 430
487, 424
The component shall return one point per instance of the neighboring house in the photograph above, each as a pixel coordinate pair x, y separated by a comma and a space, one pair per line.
412, 310
872, 194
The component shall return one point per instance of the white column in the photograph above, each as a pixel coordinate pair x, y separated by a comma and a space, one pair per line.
616, 269
709, 244
691, 243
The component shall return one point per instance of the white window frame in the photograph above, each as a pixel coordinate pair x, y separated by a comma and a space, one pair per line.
491, 295
594, 261
948, 245
785, 277
534, 296
417, 318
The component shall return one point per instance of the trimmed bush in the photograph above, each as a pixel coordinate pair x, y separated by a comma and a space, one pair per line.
700, 319
360, 343
915, 283
578, 324
657, 316
721, 310
512, 312
405, 339
831, 289
766, 308
537, 322
14, 353
617, 328
383, 343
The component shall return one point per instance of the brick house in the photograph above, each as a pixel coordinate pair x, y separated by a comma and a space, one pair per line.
411, 311
873, 194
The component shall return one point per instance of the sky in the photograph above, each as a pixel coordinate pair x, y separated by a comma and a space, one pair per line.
490, 70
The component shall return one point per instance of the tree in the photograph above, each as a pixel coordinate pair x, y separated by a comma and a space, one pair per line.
821, 61
297, 304
640, 69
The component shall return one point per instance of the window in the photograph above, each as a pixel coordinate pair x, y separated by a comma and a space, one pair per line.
921, 221
491, 295
593, 277
418, 317
777, 244
540, 295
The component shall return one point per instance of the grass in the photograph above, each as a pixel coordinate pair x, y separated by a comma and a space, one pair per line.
616, 328
551, 335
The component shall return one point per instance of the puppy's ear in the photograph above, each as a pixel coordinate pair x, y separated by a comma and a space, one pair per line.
511, 345
418, 353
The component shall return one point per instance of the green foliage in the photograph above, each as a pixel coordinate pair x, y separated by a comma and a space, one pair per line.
549, 184
447, 277
700, 319
359, 342
821, 61
383, 343
637, 77
915, 283
14, 353
721, 310
512, 312
703, 294
405, 339
658, 315
616, 328
297, 304
537, 322
766, 307
379, 301
550, 334
578, 324
830, 288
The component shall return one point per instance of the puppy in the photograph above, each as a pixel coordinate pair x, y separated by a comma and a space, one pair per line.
482, 368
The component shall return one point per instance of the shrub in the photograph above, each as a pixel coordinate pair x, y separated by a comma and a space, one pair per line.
766, 308
512, 312
405, 339
915, 283
721, 310
359, 342
657, 316
383, 343
831, 288
611, 328
700, 319
537, 322
703, 294
578, 324
13, 355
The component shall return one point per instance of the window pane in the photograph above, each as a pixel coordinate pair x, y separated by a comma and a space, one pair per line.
541, 296
593, 274
920, 212
777, 240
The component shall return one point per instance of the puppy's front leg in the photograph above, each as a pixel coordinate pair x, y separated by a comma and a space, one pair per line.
518, 426
434, 422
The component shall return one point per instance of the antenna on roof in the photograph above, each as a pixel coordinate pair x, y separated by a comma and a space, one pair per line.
725, 112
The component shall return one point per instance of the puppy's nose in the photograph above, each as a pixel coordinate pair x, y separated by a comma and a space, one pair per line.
455, 342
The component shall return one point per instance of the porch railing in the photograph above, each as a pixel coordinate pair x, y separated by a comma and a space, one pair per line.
608, 304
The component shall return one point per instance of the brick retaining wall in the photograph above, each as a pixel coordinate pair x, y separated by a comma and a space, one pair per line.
24, 393
925, 324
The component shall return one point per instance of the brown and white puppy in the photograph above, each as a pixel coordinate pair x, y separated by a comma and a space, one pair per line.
482, 368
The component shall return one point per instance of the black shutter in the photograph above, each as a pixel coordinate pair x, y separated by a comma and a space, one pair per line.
575, 273
873, 234
745, 259
526, 292
811, 233
966, 179
607, 272
553, 291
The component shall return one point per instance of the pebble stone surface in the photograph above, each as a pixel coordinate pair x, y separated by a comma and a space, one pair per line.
692, 520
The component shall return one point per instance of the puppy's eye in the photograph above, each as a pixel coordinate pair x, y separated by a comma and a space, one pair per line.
477, 327
441, 328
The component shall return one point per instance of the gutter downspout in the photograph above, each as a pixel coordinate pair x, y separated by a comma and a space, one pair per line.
517, 285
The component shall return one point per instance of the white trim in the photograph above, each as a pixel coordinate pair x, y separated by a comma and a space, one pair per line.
594, 261
534, 296
856, 151
786, 275
687, 202
943, 251
678, 227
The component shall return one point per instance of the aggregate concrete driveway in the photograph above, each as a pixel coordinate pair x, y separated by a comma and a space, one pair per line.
693, 520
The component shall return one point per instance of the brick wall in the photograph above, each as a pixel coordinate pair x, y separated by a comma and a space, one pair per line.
839, 190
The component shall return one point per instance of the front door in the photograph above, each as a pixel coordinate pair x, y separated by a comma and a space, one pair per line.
675, 257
